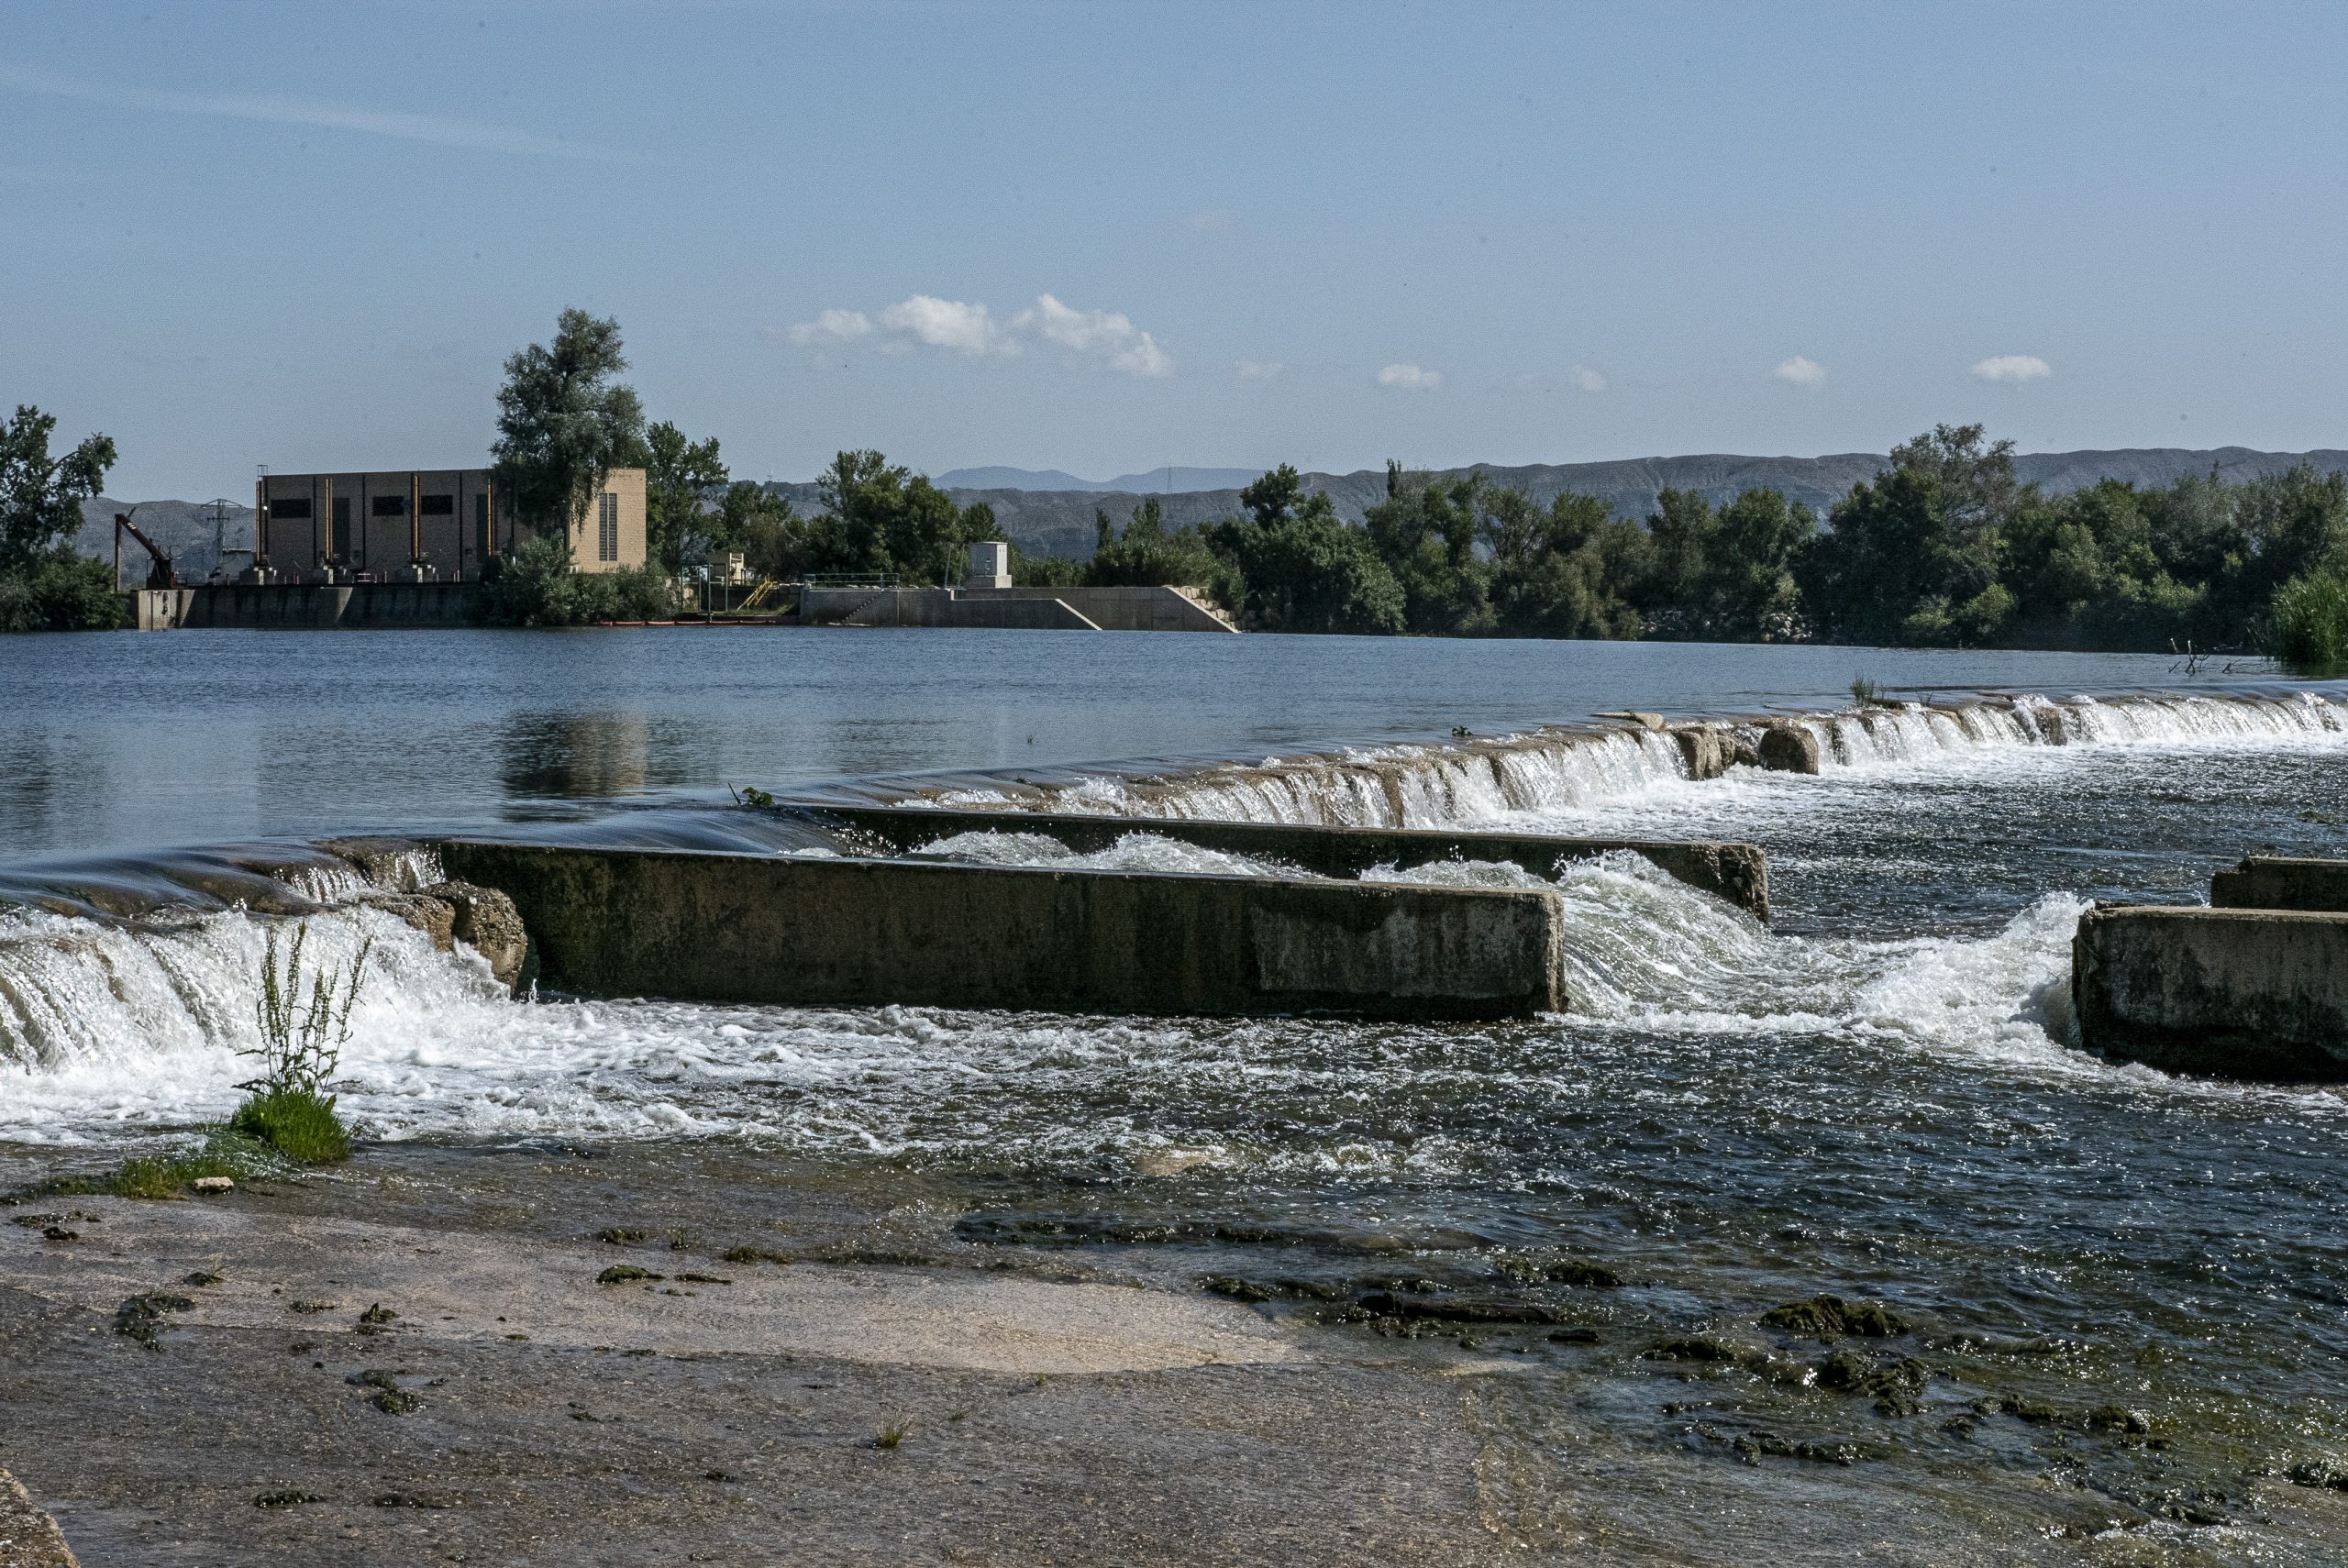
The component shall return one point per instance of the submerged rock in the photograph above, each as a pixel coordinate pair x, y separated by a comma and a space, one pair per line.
1707, 752
487, 921
1829, 1317
1788, 748
1455, 1308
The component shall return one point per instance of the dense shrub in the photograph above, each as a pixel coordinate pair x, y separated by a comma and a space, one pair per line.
2311, 620
59, 590
534, 585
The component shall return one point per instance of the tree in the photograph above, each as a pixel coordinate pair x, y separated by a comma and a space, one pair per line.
680, 473
1572, 570
1425, 531
884, 518
1146, 556
45, 584
1300, 569
40, 496
564, 423
1914, 556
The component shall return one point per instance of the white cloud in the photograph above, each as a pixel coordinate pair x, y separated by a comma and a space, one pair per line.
1410, 377
1107, 335
1104, 338
946, 324
1587, 380
438, 129
831, 326
1800, 369
2013, 368
1260, 370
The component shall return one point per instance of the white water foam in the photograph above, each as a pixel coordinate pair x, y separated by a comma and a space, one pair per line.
1562, 773
107, 1029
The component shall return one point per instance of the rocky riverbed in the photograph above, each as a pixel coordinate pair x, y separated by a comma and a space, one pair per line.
676, 1354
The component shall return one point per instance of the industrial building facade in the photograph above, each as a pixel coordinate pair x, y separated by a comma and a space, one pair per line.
425, 525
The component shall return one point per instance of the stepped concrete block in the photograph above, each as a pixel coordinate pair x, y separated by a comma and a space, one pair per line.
769, 929
2226, 992
1736, 872
2271, 882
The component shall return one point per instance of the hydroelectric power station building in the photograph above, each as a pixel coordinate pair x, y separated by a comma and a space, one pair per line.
424, 525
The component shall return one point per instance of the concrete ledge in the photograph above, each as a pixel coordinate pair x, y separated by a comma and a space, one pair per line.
738, 928
1737, 872
2231, 993
2269, 882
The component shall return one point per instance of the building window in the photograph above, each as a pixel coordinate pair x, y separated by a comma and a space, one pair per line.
436, 506
607, 526
293, 508
388, 506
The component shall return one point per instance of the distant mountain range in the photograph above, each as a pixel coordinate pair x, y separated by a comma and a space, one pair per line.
1051, 513
1156, 481
184, 530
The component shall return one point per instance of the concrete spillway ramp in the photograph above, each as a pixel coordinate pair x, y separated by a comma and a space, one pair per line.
1736, 872
773, 928
2248, 993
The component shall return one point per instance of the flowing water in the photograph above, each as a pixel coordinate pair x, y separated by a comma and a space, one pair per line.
2125, 1291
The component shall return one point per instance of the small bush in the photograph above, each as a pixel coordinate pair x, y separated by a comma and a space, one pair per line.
2310, 619
297, 1123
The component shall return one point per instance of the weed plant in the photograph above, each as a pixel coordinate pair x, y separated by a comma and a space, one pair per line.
304, 1021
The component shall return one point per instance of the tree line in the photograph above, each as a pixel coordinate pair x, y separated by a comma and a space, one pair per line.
1945, 549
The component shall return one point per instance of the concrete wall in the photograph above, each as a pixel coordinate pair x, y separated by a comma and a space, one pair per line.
1736, 872
2266, 882
768, 929
1064, 609
298, 607
1122, 608
2231, 993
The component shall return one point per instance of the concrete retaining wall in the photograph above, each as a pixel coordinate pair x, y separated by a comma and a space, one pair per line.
2228, 992
864, 933
1737, 872
1023, 609
303, 607
2266, 882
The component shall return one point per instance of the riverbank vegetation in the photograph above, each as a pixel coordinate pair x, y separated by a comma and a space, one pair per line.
46, 585
1945, 549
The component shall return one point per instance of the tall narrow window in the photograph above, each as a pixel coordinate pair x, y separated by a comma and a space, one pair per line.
607, 526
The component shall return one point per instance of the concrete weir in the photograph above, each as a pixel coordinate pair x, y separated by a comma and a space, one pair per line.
1736, 872
771, 929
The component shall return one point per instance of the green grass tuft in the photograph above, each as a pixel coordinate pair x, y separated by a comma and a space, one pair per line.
298, 1123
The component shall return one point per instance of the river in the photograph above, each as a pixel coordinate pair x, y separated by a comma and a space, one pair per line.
2124, 1286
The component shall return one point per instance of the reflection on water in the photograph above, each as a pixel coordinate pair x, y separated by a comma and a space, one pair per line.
579, 756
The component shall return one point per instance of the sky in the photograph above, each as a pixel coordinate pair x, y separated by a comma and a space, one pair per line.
1108, 238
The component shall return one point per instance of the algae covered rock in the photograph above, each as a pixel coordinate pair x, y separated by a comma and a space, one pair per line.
1831, 1317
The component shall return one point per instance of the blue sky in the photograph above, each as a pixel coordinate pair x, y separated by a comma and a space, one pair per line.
1107, 237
